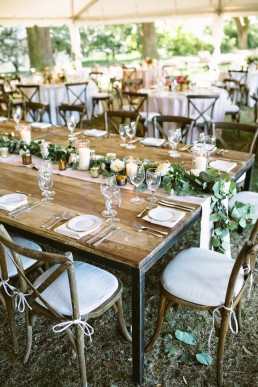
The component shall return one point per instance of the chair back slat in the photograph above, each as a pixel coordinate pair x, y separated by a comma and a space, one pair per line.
186, 124
201, 104
29, 93
76, 93
111, 118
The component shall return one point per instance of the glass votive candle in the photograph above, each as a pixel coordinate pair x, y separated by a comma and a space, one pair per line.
26, 158
62, 165
199, 159
25, 133
4, 151
84, 154
121, 179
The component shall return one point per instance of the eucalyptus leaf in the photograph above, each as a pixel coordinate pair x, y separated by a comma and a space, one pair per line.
185, 337
186, 357
171, 350
204, 358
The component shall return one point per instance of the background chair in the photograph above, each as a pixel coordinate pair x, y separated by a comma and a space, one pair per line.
233, 89
241, 77
247, 134
255, 108
115, 118
132, 84
186, 124
205, 280
64, 111
32, 101
8, 271
5, 107
97, 78
201, 109
69, 293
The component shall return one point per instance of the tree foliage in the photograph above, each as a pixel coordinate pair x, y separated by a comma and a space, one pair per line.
13, 47
60, 37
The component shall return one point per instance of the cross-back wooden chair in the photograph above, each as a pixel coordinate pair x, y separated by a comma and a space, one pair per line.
128, 72
96, 77
68, 293
255, 98
241, 77
168, 70
5, 107
185, 123
64, 111
76, 93
32, 101
206, 280
132, 84
9, 273
115, 118
248, 134
233, 89
201, 109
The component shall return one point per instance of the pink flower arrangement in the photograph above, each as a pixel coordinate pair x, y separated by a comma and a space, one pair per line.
182, 79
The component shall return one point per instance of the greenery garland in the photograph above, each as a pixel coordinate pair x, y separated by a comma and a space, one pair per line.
175, 181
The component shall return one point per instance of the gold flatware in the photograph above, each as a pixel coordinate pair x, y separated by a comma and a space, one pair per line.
58, 216
111, 233
27, 209
65, 216
101, 234
184, 148
177, 205
232, 160
147, 231
139, 226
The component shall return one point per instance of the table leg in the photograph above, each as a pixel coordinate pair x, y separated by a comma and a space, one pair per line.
138, 284
247, 182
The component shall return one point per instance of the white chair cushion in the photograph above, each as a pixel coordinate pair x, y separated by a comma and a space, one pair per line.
101, 95
246, 197
94, 287
232, 109
26, 262
200, 276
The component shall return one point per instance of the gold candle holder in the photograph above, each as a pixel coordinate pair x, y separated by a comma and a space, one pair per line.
26, 159
94, 171
121, 179
62, 165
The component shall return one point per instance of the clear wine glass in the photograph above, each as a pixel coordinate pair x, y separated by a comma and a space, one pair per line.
45, 166
153, 180
136, 173
122, 132
174, 137
71, 125
45, 182
106, 181
130, 131
17, 116
113, 202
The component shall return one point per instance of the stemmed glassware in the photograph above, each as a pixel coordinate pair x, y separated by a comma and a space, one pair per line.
71, 125
123, 134
17, 116
136, 173
131, 131
107, 181
153, 180
113, 202
174, 137
45, 178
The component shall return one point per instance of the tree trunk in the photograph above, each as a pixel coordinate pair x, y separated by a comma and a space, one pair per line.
149, 40
40, 49
242, 32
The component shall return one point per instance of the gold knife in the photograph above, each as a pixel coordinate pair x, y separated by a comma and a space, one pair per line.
113, 232
181, 206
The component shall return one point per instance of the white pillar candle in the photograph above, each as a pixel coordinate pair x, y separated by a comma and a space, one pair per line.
84, 159
131, 169
201, 163
25, 132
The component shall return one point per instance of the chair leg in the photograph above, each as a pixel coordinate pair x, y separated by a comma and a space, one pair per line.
221, 345
81, 356
121, 319
238, 315
161, 315
11, 316
71, 338
30, 319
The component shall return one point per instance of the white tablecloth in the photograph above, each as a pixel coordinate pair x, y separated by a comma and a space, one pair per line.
149, 75
174, 103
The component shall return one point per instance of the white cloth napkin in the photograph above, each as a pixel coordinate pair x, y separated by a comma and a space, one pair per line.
150, 141
177, 216
12, 206
221, 165
3, 119
94, 132
40, 125
65, 230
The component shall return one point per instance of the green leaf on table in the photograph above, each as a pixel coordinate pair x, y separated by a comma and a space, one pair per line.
186, 357
185, 337
204, 358
242, 222
171, 350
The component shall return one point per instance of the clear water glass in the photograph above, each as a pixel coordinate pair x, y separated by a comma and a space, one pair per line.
174, 137
17, 116
107, 181
153, 180
71, 125
45, 166
131, 131
123, 134
136, 173
45, 182
112, 202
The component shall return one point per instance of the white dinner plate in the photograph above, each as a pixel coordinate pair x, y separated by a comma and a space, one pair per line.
161, 214
40, 125
84, 223
15, 198
150, 141
223, 166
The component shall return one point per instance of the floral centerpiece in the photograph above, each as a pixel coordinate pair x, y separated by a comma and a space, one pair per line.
183, 82
253, 59
117, 166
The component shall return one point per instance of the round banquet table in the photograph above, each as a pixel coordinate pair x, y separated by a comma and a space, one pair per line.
149, 75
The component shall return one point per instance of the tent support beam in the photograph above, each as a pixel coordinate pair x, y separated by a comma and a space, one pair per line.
85, 8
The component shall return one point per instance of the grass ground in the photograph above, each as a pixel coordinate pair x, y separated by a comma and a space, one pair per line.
109, 357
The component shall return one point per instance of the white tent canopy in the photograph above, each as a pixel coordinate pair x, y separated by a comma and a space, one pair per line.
90, 12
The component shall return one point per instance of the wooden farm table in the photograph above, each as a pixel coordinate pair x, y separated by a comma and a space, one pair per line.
128, 251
